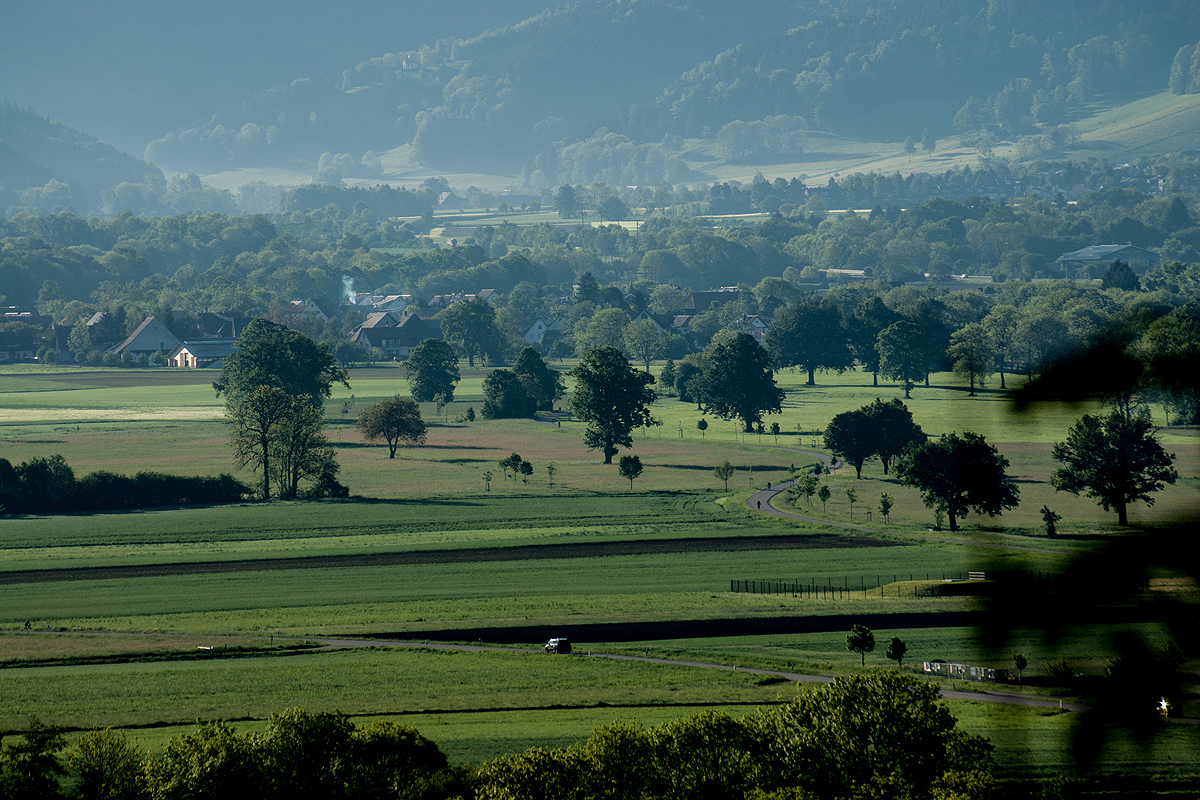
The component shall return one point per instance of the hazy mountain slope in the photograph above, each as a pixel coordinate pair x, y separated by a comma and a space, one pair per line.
493, 99
35, 150
131, 71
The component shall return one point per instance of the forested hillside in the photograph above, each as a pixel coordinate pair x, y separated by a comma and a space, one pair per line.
46, 165
590, 91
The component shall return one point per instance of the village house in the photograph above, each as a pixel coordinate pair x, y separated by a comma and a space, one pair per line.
393, 336
201, 353
149, 337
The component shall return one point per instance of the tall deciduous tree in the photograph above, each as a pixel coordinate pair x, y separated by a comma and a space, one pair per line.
504, 396
809, 334
972, 354
850, 437
543, 384
268, 354
432, 369
471, 326
644, 341
301, 450
957, 474
739, 381
893, 429
256, 420
902, 354
613, 398
1116, 459
396, 421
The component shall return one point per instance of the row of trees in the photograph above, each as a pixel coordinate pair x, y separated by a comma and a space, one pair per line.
882, 734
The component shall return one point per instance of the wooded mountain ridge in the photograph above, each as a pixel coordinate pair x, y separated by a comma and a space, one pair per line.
623, 80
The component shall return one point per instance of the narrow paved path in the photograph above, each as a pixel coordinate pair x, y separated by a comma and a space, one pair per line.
761, 501
986, 696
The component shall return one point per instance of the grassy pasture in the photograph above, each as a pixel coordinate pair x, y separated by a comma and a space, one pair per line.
360, 682
433, 498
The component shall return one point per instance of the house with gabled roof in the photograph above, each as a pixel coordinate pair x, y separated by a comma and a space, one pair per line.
201, 353
539, 327
149, 337
397, 340
701, 301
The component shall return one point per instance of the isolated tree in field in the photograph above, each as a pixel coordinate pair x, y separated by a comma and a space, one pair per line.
613, 398
775, 431
526, 469
723, 472
504, 396
886, 501
432, 370
629, 467
1116, 459
702, 426
809, 334
470, 325
892, 428
851, 437
396, 421
928, 141
268, 354
896, 650
823, 494
487, 479
739, 381
1020, 662
959, 474
543, 384
902, 353
551, 468
971, 354
643, 342
860, 640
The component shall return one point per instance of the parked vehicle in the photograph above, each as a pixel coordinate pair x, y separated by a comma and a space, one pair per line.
558, 646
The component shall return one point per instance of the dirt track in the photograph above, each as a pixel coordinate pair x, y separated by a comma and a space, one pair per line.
473, 555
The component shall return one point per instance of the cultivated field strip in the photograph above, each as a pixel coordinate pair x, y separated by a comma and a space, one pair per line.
473, 555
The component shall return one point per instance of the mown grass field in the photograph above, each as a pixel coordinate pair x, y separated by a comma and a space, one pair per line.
120, 650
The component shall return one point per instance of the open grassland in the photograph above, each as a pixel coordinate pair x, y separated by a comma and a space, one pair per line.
367, 681
122, 648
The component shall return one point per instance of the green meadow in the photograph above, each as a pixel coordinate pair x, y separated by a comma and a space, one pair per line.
254, 580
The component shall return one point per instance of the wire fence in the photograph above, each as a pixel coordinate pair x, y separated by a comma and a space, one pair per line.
930, 585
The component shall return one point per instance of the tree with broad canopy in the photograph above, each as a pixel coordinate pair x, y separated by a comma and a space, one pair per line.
1116, 459
957, 474
432, 369
613, 398
739, 381
396, 420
